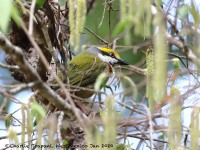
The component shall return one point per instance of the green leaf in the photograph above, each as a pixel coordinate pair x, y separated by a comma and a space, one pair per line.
121, 27
195, 14
176, 63
38, 111
39, 3
7, 122
127, 83
65, 143
100, 81
120, 147
183, 11
5, 13
162, 136
15, 15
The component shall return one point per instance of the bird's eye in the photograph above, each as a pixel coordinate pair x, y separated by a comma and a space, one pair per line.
112, 55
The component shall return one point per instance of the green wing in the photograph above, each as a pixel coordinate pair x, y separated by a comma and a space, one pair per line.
84, 69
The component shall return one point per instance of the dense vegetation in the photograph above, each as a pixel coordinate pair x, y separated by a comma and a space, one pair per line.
151, 104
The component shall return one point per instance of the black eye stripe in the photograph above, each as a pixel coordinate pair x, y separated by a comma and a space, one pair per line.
111, 54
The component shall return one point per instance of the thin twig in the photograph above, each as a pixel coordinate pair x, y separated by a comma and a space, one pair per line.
134, 69
109, 20
3, 104
59, 126
180, 58
103, 15
137, 46
31, 17
61, 103
90, 6
22, 87
31, 75
145, 138
131, 108
102, 40
9, 66
150, 125
72, 105
182, 45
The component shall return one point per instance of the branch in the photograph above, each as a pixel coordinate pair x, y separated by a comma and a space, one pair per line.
102, 40
143, 138
31, 17
182, 44
31, 75
137, 46
90, 5
103, 15
8, 66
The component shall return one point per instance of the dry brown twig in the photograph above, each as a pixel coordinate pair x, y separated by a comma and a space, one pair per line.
31, 74
9, 66
31, 17
182, 43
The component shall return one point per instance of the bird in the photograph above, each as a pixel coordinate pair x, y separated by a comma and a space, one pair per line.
85, 67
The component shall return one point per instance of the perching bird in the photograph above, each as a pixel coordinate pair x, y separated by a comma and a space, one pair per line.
84, 68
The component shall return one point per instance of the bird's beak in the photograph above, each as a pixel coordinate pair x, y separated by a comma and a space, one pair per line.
122, 62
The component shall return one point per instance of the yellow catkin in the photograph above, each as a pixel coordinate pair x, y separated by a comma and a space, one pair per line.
142, 17
83, 14
12, 136
195, 131
106, 138
149, 74
21, 7
109, 115
160, 51
139, 13
148, 19
72, 21
77, 17
23, 125
175, 129
131, 6
78, 24
123, 9
29, 124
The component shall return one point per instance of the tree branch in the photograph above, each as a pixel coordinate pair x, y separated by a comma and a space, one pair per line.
31, 75
182, 43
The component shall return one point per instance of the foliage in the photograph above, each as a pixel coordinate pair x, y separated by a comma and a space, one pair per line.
8, 10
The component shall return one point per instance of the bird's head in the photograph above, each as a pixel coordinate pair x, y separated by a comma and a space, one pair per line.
107, 55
